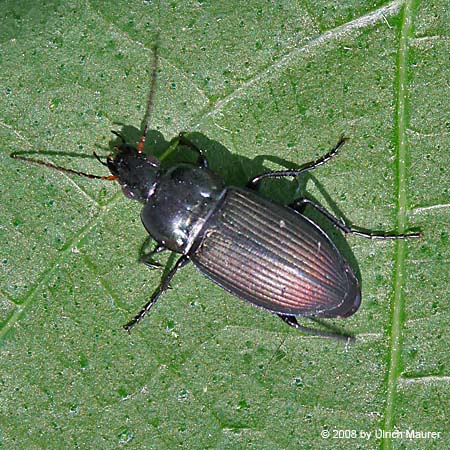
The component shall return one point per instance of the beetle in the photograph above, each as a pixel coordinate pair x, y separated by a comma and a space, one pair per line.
263, 252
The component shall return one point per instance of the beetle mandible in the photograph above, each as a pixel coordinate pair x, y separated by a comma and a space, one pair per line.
265, 253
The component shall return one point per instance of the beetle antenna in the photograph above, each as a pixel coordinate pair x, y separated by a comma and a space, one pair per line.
64, 169
148, 113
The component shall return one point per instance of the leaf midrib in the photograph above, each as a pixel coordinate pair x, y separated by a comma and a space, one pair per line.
400, 251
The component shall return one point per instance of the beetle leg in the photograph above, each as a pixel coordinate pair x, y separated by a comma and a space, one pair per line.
253, 183
300, 204
146, 258
182, 261
292, 321
202, 161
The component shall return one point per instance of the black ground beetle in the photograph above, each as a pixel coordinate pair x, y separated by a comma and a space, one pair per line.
268, 254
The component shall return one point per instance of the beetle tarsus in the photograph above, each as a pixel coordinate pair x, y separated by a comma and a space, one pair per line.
182, 261
254, 183
299, 205
292, 321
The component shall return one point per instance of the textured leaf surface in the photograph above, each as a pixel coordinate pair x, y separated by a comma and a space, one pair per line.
265, 85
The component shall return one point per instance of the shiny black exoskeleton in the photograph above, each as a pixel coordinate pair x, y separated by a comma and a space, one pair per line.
268, 254
263, 252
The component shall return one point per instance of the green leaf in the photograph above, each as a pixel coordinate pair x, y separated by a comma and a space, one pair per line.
263, 86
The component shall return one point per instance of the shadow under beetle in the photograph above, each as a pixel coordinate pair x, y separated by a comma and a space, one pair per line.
263, 252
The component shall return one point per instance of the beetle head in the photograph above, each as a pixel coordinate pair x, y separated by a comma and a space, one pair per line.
136, 172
